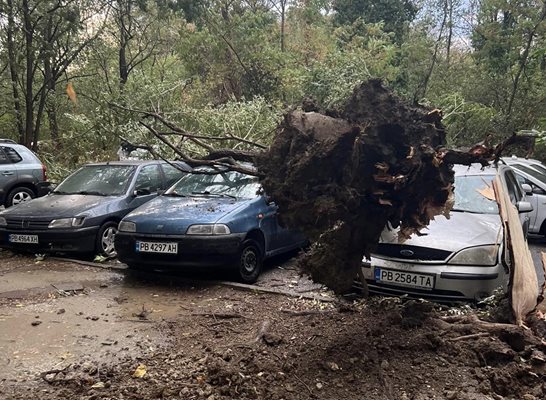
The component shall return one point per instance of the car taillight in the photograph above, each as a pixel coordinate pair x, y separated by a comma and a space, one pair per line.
44, 172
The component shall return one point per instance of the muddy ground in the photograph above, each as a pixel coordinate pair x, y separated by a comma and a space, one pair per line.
73, 331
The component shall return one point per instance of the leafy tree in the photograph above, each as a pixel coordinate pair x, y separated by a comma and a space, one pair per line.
395, 14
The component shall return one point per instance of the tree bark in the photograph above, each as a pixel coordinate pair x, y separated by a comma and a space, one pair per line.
13, 72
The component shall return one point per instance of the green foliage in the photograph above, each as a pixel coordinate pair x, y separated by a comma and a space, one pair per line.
363, 51
216, 67
466, 122
395, 14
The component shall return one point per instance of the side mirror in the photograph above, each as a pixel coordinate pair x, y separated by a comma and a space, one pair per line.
524, 207
527, 188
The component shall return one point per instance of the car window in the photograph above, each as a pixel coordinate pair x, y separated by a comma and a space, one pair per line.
514, 190
101, 180
11, 155
228, 183
172, 174
468, 194
149, 179
532, 172
3, 157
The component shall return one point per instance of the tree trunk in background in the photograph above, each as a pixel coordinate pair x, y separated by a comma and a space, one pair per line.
13, 73
28, 135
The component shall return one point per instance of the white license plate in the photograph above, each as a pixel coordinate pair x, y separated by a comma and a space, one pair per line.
157, 247
15, 238
402, 278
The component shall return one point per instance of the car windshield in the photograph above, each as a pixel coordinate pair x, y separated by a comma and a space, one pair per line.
531, 171
468, 196
222, 184
99, 180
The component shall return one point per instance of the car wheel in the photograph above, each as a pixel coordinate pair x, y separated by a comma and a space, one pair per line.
105, 239
250, 261
19, 195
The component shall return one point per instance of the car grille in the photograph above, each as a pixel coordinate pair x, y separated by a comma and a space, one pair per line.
26, 224
406, 252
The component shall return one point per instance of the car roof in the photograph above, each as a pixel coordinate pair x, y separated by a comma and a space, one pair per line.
521, 160
139, 162
476, 169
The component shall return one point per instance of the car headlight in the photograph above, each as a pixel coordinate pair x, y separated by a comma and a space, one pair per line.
209, 229
127, 226
3, 222
479, 255
66, 222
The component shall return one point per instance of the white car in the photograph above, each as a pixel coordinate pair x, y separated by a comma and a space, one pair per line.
456, 258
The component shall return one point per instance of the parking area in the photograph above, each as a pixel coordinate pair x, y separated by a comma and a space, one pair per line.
83, 330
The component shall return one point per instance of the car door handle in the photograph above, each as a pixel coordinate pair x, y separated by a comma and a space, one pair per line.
6, 173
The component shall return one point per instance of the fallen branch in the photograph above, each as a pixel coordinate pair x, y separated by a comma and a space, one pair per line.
262, 331
218, 315
296, 313
471, 336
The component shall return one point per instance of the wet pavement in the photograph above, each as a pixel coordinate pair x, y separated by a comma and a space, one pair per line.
56, 312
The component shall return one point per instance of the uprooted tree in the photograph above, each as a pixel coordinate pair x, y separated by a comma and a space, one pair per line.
341, 176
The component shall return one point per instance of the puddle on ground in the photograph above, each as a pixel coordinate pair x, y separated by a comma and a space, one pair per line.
104, 325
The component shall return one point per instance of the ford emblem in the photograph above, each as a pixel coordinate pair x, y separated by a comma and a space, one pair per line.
406, 253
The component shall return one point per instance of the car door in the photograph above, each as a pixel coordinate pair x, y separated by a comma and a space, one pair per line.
8, 172
537, 199
268, 223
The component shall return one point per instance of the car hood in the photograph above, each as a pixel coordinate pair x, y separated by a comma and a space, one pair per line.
173, 215
58, 206
460, 231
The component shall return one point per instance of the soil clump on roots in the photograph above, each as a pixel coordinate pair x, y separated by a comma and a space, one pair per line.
341, 176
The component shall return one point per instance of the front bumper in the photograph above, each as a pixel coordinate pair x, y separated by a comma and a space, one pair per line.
78, 240
193, 251
450, 283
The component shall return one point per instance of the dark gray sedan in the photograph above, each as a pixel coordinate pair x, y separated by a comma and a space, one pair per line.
83, 212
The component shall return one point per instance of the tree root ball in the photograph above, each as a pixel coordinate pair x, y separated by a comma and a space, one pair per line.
340, 178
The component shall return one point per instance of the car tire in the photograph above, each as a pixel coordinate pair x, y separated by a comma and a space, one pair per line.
104, 245
18, 195
250, 261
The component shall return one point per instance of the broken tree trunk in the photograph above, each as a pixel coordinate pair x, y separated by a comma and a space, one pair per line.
523, 278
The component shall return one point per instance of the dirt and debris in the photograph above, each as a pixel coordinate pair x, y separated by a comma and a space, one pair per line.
234, 343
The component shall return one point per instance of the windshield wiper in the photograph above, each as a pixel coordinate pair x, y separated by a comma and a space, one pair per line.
174, 194
91, 193
207, 193
60, 192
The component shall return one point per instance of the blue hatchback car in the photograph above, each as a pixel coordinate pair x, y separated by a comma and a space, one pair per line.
209, 218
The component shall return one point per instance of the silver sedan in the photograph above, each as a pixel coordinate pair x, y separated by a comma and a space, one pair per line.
457, 258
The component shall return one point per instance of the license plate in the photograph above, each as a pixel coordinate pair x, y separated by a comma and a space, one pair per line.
14, 238
402, 278
157, 247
